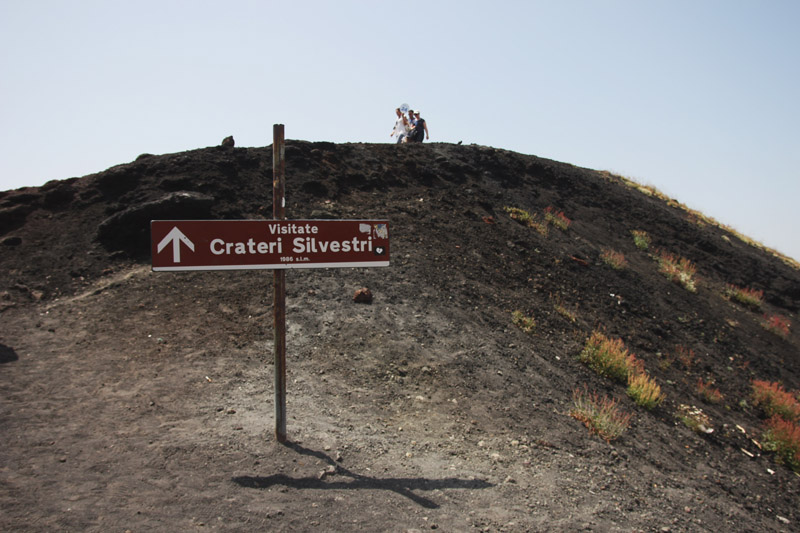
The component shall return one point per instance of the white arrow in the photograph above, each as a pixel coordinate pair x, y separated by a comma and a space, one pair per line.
176, 237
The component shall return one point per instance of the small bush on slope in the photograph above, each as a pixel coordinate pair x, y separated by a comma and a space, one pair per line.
600, 415
678, 270
775, 400
749, 297
783, 438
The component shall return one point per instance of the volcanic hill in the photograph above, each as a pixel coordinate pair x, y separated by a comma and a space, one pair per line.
142, 401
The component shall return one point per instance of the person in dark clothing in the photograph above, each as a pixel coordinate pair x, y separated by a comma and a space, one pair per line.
420, 129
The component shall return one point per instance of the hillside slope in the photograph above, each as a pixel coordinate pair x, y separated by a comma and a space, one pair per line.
139, 400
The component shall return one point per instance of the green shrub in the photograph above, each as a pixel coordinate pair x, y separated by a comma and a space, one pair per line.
641, 239
525, 323
520, 215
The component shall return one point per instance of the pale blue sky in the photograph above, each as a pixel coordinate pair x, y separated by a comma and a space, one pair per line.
698, 98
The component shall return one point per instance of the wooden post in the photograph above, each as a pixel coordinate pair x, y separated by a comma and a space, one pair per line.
279, 283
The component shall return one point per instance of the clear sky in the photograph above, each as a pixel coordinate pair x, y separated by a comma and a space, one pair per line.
697, 98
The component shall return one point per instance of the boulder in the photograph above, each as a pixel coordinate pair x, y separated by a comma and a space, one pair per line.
129, 230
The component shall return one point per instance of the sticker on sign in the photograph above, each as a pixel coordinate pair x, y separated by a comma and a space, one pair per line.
268, 244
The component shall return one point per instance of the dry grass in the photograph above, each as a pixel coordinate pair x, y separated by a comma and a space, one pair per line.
601, 415
520, 215
698, 217
708, 392
678, 270
749, 297
527, 219
561, 308
608, 357
614, 259
557, 218
686, 356
541, 227
641, 239
644, 391
525, 323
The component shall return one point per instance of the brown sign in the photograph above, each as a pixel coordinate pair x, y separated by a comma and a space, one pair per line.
268, 244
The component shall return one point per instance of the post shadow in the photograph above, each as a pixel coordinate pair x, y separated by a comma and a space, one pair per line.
402, 486
7, 354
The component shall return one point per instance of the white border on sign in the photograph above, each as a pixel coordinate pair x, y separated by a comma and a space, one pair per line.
282, 266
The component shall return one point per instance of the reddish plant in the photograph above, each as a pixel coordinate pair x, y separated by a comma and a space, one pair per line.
685, 356
777, 324
775, 400
749, 297
783, 438
709, 393
608, 357
556, 218
600, 415
678, 270
614, 259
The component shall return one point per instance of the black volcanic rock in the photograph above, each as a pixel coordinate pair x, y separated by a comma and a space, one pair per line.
129, 229
135, 390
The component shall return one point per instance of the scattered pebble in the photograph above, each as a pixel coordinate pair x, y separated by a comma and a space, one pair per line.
330, 470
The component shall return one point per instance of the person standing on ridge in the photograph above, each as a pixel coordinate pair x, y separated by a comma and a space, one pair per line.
411, 121
420, 129
400, 127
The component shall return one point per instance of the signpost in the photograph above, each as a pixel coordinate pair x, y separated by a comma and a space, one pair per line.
278, 245
279, 283
268, 244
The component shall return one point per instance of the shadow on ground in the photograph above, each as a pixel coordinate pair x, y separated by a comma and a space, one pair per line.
7, 354
402, 486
